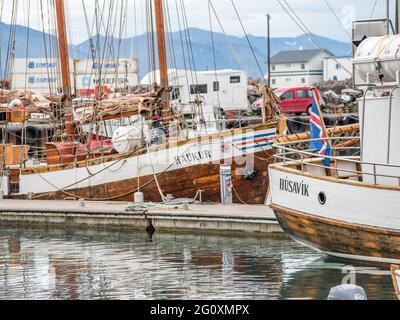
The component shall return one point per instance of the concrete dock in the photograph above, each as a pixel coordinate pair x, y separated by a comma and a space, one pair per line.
254, 219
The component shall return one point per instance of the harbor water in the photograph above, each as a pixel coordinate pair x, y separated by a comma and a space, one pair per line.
80, 264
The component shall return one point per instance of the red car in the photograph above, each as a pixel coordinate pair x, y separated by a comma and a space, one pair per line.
297, 100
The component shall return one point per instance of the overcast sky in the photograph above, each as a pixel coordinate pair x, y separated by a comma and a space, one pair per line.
314, 13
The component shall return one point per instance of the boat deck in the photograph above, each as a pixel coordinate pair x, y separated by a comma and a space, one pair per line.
116, 215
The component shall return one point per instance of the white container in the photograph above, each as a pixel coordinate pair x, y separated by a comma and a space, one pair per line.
38, 65
121, 66
90, 81
378, 56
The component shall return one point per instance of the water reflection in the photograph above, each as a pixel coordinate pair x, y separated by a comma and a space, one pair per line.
65, 264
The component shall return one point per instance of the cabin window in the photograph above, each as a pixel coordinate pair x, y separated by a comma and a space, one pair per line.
176, 94
235, 79
216, 86
302, 94
288, 96
198, 89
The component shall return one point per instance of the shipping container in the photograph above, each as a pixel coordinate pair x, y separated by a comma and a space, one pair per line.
90, 81
122, 66
43, 75
38, 65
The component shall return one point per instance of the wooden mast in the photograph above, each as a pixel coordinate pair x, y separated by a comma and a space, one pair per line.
64, 57
162, 58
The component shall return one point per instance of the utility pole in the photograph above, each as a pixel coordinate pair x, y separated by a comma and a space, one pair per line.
269, 50
388, 16
162, 58
397, 17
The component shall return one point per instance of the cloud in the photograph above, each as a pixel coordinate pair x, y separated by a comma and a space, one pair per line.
315, 14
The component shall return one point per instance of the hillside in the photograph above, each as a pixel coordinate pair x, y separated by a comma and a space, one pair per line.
200, 41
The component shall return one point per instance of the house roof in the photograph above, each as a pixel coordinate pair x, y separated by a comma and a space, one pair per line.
295, 56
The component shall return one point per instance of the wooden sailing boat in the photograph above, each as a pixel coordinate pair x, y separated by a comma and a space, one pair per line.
182, 167
345, 205
171, 163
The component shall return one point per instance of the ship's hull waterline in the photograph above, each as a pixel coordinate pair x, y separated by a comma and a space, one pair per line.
180, 169
352, 220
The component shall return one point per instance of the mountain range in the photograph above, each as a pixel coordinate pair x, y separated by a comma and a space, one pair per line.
32, 43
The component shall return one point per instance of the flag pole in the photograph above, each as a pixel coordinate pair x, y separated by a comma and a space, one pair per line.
317, 102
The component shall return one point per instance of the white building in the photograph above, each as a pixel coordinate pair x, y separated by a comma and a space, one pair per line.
297, 68
338, 68
222, 88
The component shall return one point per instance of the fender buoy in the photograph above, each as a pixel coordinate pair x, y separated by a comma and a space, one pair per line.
17, 103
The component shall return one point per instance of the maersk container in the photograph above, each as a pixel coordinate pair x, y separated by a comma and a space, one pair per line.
90, 81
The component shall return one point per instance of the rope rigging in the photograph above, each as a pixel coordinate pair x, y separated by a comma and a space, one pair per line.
296, 19
249, 42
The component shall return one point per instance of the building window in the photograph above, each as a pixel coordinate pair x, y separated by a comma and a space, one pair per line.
235, 79
273, 81
216, 86
303, 80
303, 66
338, 66
288, 79
273, 68
288, 65
198, 89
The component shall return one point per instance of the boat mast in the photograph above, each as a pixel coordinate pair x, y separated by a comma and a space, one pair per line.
64, 57
162, 58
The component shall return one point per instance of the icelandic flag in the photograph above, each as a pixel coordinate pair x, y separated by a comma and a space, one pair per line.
319, 143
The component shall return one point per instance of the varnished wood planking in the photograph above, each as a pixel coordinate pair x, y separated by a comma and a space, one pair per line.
339, 237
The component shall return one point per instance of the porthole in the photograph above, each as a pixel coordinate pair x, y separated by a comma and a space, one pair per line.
322, 198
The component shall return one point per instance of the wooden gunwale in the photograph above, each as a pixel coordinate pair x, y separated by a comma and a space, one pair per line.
117, 157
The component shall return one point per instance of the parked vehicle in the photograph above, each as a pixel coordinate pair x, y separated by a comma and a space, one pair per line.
297, 100
294, 100
226, 89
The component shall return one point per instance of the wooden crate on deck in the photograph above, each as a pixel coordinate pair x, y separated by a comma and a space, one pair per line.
14, 155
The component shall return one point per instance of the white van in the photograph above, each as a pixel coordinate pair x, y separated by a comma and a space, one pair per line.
226, 89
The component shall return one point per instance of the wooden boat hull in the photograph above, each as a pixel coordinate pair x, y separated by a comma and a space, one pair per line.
355, 220
181, 183
180, 168
340, 239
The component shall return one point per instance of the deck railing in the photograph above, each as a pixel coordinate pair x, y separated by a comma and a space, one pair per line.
344, 162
